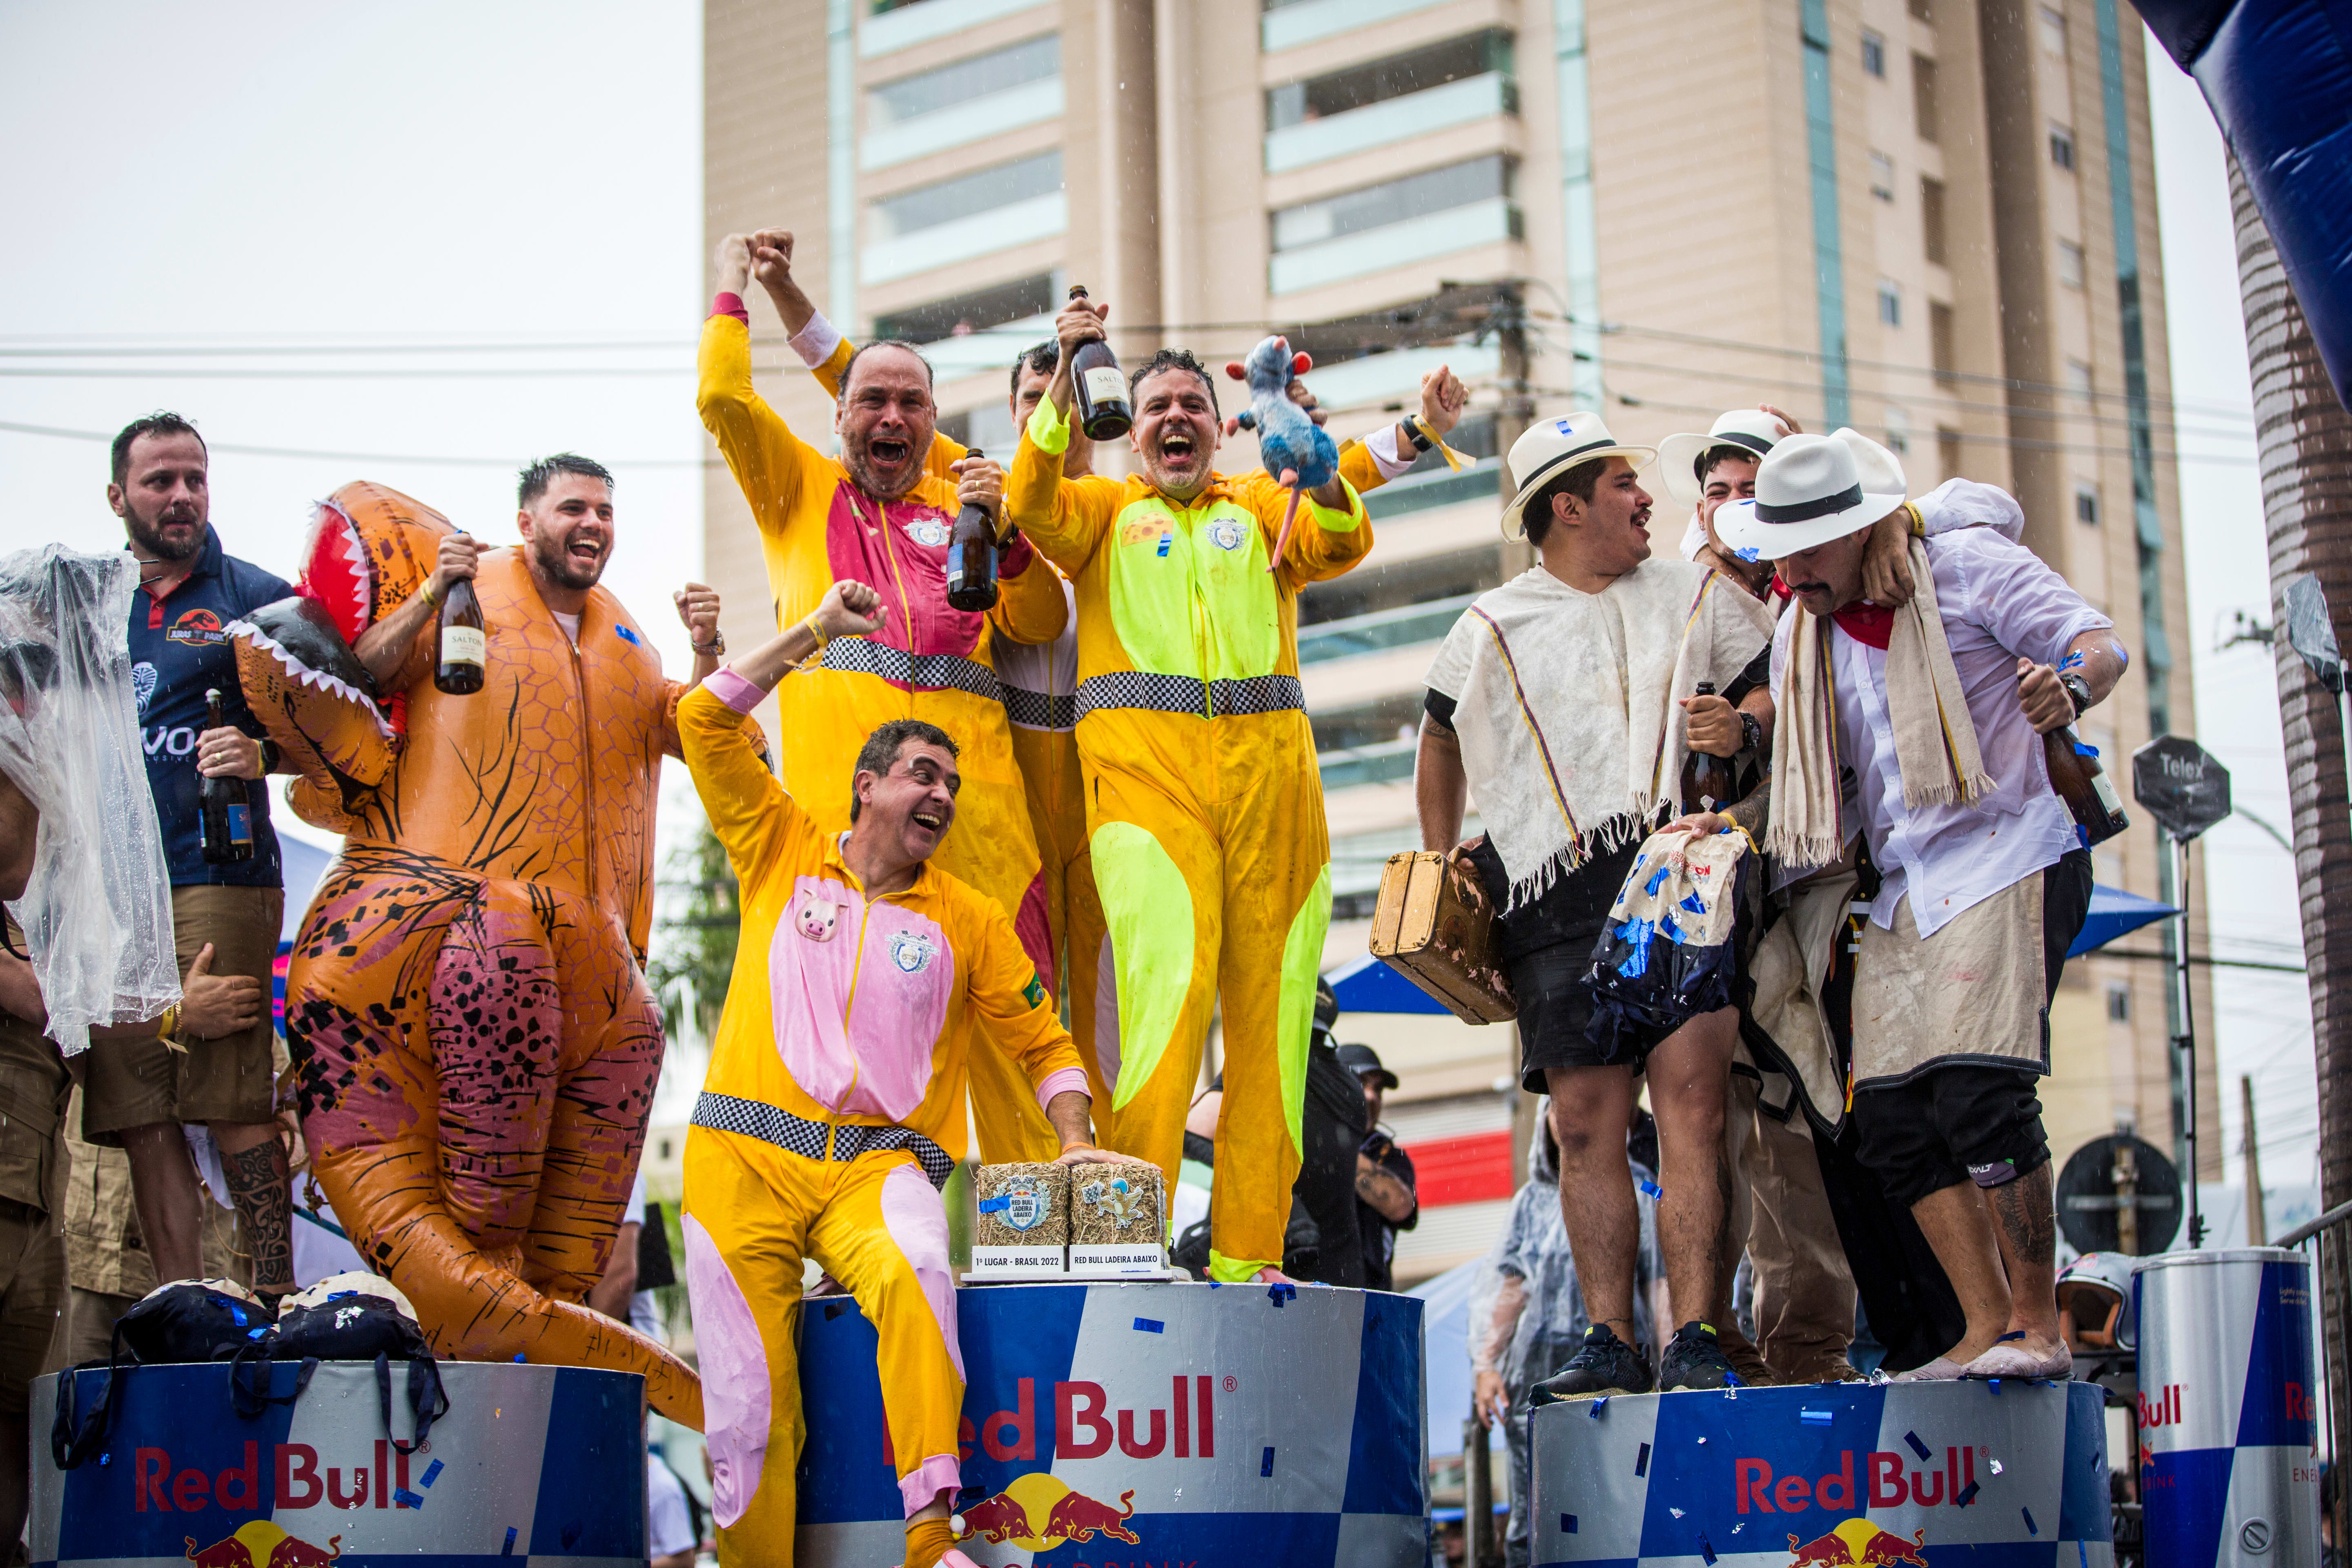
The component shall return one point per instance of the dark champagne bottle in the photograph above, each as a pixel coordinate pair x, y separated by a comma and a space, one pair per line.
971, 559
223, 807
1104, 412
1707, 780
2078, 779
465, 642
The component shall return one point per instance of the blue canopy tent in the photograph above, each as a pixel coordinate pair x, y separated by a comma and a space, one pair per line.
1366, 985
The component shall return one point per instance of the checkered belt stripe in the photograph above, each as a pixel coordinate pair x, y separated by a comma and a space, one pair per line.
1039, 709
799, 1135
1182, 694
899, 668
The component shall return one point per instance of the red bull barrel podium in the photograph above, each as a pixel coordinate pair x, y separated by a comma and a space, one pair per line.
2229, 1407
538, 1462
1160, 1424
1851, 1475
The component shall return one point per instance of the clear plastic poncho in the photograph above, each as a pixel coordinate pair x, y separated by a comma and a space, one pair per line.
97, 914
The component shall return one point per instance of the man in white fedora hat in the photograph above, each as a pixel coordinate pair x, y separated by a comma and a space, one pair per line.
1983, 882
1561, 701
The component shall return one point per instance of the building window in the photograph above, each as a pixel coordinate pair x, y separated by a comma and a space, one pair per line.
2087, 505
1932, 241
1947, 451
2054, 33
1922, 97
664, 1147
2119, 1002
1922, 11
1898, 430
1874, 53
1940, 341
934, 92
1359, 86
1392, 202
1890, 302
1882, 177
2062, 147
967, 196
2070, 264
2078, 379
973, 312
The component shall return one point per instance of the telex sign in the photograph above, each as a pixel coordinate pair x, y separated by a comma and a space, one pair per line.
1120, 1425
318, 1481
1833, 1476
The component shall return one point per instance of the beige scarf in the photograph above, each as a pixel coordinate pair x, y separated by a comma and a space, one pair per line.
1935, 739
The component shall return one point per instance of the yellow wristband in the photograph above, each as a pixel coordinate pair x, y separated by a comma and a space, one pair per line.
1918, 519
429, 593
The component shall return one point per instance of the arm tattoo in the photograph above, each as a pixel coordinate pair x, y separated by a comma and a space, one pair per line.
258, 1186
1754, 811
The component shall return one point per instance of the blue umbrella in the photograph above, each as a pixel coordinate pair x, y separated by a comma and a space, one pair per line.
2115, 913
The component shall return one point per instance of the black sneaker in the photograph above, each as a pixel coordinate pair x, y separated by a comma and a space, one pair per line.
1606, 1365
1693, 1360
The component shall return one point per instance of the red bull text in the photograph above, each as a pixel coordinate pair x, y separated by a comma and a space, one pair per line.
157, 1485
1887, 1481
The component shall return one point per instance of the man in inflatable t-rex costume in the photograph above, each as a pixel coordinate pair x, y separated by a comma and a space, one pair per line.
474, 1041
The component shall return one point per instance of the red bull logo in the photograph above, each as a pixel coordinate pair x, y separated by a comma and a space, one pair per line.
156, 1483
1037, 1514
1858, 1544
1886, 1482
2164, 1410
261, 1545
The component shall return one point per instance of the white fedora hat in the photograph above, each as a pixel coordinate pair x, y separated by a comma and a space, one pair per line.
1552, 447
1751, 430
1809, 491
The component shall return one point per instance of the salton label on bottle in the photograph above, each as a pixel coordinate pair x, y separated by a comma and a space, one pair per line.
463, 644
2107, 796
1105, 384
240, 824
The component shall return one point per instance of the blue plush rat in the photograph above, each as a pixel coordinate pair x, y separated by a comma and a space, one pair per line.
1297, 452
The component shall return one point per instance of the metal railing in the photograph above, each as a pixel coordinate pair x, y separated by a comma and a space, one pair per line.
2331, 1271
1380, 630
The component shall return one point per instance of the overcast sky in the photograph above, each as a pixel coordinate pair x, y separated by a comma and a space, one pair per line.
522, 183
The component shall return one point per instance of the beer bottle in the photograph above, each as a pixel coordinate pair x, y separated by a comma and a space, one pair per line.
2078, 780
1103, 410
465, 642
1707, 780
223, 807
972, 558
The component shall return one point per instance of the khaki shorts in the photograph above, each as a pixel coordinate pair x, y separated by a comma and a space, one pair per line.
137, 1083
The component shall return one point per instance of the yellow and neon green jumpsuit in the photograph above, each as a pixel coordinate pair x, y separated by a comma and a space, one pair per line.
1204, 809
927, 662
833, 1112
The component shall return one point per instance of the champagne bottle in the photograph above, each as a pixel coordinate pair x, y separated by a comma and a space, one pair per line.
223, 807
1708, 781
465, 642
972, 558
1103, 410
2077, 778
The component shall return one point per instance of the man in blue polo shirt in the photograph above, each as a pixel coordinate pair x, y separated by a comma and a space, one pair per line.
224, 917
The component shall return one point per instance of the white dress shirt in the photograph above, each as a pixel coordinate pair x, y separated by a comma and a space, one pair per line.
2000, 603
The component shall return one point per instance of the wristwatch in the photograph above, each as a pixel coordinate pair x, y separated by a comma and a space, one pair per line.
2078, 691
1421, 442
1752, 732
714, 647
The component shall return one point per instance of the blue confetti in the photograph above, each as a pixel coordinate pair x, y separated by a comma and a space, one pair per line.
2084, 749
256, 1333
1596, 1407
407, 1499
1165, 540
2031, 1528
432, 1474
1692, 902
1266, 1462
2071, 661
238, 1312
2081, 1554
1642, 1461
105, 1459
511, 1541
1994, 1383
628, 636
1652, 1189
1918, 1448
1705, 1550
1747, 552
1814, 1417
1657, 879
1968, 1495
995, 1206
1149, 1326
521, 1357
1282, 1295
1568, 1524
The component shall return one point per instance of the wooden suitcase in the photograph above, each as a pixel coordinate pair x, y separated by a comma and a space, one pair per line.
1435, 926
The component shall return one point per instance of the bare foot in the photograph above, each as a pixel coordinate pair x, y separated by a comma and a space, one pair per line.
1270, 1275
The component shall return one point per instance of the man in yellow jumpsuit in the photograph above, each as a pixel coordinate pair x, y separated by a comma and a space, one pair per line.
834, 1108
881, 513
1204, 806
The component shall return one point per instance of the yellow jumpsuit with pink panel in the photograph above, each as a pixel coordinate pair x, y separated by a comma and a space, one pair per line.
832, 1115
1204, 807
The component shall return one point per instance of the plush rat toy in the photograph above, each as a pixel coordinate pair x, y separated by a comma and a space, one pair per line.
1297, 453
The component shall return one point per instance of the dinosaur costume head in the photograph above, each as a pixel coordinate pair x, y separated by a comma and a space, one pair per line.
475, 1045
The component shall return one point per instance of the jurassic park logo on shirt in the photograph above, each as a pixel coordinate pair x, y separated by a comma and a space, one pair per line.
197, 629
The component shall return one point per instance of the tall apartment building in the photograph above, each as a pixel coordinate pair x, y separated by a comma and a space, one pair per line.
1932, 219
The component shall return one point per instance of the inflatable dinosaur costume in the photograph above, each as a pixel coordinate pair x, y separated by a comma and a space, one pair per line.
474, 1040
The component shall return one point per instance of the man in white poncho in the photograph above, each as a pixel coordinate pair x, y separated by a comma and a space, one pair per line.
1562, 702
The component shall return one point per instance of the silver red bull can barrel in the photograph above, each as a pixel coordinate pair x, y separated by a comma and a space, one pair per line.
2228, 1408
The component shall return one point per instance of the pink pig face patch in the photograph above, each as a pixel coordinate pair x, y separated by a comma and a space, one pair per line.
819, 918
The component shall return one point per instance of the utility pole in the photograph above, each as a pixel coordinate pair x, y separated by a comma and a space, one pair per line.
2257, 1231
1518, 408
